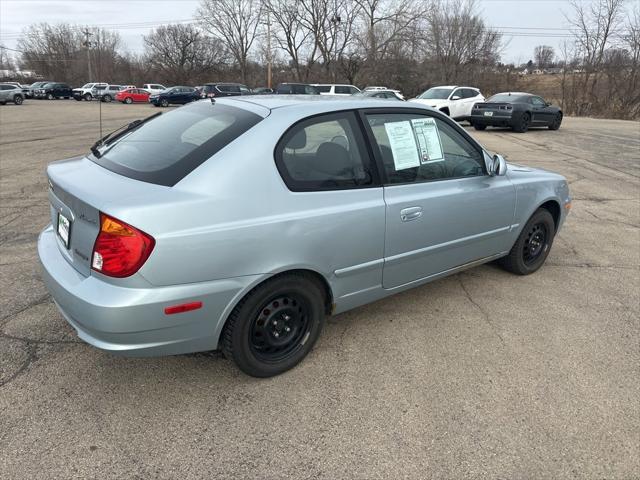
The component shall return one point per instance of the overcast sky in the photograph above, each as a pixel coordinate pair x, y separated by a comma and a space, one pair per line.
526, 23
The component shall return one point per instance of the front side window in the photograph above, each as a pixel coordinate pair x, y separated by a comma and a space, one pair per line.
324, 153
342, 89
418, 148
538, 102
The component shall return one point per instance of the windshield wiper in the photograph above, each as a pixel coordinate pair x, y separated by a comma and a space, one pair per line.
119, 132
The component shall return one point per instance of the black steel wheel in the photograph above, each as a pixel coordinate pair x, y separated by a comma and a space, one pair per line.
557, 121
533, 245
276, 325
522, 124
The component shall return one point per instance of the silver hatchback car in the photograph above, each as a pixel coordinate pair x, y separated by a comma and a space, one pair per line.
240, 224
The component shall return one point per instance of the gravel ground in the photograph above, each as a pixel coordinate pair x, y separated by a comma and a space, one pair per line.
480, 375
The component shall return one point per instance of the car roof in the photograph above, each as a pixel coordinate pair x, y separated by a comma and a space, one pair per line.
516, 94
322, 103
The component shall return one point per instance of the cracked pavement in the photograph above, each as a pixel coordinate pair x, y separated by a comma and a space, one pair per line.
479, 375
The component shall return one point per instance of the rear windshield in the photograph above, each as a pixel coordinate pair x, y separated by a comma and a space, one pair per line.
505, 98
168, 148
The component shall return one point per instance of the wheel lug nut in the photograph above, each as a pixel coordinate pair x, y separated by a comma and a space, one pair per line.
276, 334
275, 322
287, 329
286, 317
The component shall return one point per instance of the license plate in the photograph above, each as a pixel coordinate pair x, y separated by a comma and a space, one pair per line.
64, 227
488, 114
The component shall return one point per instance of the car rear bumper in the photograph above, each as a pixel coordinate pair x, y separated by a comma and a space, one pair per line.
131, 321
494, 121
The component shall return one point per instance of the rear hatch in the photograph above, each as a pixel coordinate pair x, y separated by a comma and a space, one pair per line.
78, 191
493, 109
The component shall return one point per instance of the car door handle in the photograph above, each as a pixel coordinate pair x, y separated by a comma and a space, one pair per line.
410, 213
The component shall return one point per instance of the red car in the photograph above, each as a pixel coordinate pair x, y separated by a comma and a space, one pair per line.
131, 95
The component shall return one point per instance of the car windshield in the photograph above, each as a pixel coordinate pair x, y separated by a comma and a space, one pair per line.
504, 98
436, 94
169, 147
87, 85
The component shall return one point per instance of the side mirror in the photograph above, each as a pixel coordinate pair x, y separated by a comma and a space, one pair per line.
496, 165
455, 97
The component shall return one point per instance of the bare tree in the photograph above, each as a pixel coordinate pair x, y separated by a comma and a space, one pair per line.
292, 37
182, 53
544, 55
459, 41
5, 59
235, 22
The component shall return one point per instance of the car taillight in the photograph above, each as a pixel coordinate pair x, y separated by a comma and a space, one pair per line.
120, 249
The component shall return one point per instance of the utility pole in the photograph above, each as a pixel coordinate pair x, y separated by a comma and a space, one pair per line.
268, 49
87, 45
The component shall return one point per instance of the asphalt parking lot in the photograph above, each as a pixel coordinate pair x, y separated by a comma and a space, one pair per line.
480, 375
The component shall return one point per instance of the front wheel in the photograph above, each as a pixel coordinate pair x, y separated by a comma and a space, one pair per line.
555, 124
533, 245
88, 97
275, 326
479, 126
128, 100
164, 103
50, 96
18, 100
106, 98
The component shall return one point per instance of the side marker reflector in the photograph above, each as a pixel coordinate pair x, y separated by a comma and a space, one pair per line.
183, 307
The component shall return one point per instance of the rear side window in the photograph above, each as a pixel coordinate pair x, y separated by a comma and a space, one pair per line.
324, 88
167, 148
343, 89
324, 153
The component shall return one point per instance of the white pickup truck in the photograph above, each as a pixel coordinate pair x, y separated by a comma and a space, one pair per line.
84, 92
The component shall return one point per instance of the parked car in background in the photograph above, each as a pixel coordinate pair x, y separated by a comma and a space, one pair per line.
369, 88
23, 88
335, 89
54, 90
454, 101
214, 90
11, 93
387, 94
85, 92
33, 87
153, 87
174, 96
108, 93
262, 91
132, 95
296, 89
517, 110
161, 243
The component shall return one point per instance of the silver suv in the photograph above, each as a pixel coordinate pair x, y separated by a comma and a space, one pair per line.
11, 93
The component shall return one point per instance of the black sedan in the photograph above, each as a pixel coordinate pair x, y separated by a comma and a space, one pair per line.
516, 110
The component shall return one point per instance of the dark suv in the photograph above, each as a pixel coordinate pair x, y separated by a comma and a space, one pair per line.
210, 90
54, 90
297, 89
174, 95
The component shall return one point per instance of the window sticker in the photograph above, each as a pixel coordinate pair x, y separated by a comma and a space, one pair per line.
403, 145
429, 143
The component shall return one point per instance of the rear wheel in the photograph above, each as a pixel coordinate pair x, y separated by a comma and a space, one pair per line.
50, 96
106, 98
557, 120
479, 126
533, 245
77, 99
18, 100
275, 326
522, 125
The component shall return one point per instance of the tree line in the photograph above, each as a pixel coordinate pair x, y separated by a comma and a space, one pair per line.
405, 44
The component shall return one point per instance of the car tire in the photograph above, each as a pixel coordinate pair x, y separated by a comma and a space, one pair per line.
275, 326
77, 99
533, 245
3, 103
557, 121
522, 124
164, 102
18, 100
107, 98
479, 126
88, 97
128, 100
50, 96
